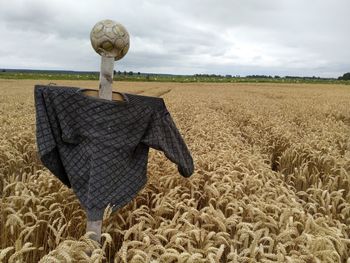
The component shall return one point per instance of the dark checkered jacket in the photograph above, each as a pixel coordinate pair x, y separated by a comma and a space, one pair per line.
99, 148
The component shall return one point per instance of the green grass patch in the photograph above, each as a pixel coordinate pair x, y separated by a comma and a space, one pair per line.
166, 78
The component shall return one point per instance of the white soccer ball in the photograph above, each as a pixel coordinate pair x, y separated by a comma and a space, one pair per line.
110, 39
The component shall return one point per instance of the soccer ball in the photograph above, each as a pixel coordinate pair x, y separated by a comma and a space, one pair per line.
110, 39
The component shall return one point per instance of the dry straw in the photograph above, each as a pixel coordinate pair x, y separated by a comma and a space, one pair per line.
272, 182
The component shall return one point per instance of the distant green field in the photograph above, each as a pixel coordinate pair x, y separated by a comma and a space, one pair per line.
167, 78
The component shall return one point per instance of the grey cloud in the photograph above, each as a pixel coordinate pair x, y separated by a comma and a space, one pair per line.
199, 36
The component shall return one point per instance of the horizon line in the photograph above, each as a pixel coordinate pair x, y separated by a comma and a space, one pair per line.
2, 70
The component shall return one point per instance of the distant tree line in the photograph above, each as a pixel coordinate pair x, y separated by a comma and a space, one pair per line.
127, 74
208, 75
346, 76
259, 77
296, 77
264, 77
130, 73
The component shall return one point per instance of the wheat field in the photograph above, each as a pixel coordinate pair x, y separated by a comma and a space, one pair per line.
271, 181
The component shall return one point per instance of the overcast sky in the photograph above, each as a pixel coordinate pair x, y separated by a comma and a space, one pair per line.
272, 37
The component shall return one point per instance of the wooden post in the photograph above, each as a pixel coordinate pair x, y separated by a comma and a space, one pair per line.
111, 40
95, 226
106, 78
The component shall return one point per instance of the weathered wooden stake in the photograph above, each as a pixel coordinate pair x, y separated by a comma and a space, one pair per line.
111, 40
95, 226
106, 78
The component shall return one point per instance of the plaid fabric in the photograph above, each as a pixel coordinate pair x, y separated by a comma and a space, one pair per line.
99, 148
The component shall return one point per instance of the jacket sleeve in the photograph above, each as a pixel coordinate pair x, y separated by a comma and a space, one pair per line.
162, 134
46, 121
